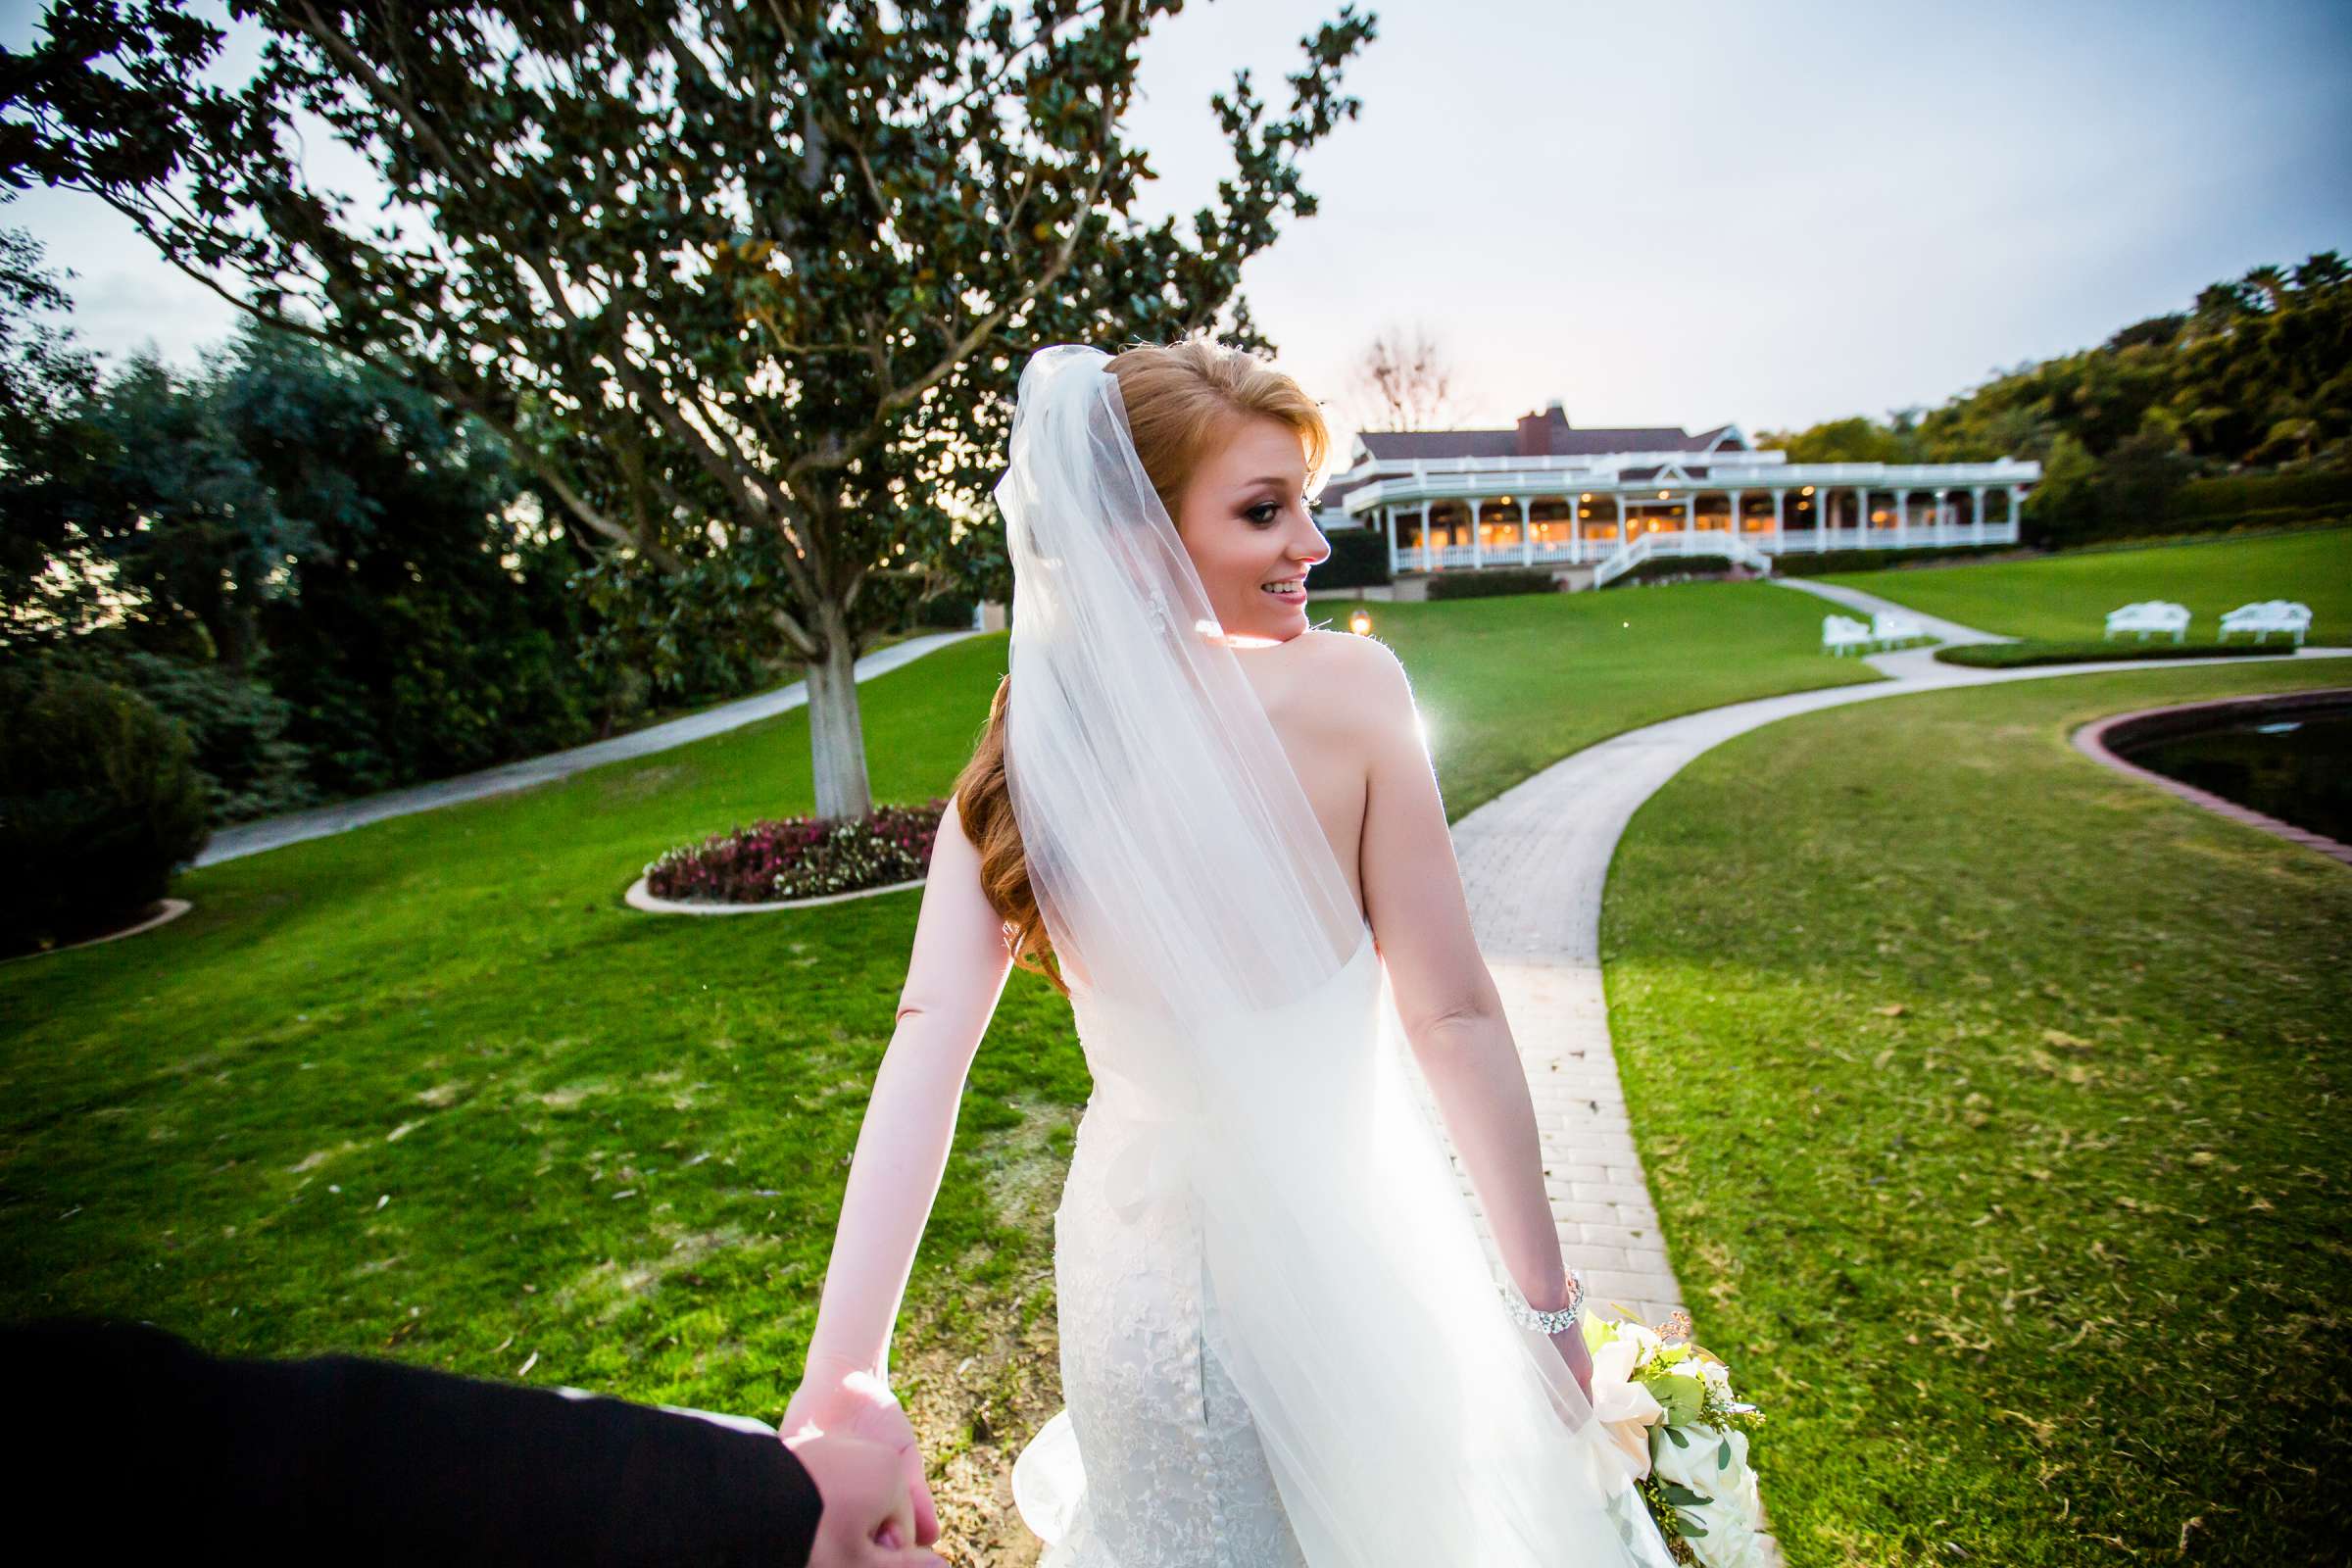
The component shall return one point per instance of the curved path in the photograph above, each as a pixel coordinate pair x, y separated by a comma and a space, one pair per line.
1534, 861
270, 833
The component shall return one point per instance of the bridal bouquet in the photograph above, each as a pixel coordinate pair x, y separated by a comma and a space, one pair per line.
1668, 1405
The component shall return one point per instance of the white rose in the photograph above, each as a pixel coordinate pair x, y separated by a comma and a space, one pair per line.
1733, 1515
1751, 1505
1693, 1464
1728, 1543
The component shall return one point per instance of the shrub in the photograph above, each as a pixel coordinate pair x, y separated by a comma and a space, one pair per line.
100, 801
1815, 564
954, 611
1488, 582
800, 857
238, 727
2007, 656
1359, 559
2261, 499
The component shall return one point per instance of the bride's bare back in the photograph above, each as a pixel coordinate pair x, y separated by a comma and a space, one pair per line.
1306, 686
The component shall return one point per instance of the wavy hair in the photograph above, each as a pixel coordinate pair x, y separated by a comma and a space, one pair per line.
1182, 399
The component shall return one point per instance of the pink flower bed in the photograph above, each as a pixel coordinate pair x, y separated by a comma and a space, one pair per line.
800, 857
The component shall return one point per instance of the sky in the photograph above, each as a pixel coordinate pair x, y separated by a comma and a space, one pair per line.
1715, 213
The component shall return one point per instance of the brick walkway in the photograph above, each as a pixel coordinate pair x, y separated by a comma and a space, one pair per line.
1534, 861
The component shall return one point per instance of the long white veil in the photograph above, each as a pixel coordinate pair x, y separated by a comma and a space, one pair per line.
1191, 896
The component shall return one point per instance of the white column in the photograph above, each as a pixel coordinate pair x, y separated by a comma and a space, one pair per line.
1689, 512
1821, 518
1778, 498
1388, 521
1623, 538
1424, 536
1478, 551
1576, 531
1902, 516
2017, 499
1526, 540
1976, 516
1862, 516
1943, 518
1735, 513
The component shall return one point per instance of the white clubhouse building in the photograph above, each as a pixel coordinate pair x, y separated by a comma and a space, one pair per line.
1548, 494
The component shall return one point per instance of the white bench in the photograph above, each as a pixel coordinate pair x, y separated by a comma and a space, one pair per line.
2150, 615
1841, 634
2267, 616
1895, 626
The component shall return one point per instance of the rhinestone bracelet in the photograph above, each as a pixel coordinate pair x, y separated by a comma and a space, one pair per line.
1551, 1322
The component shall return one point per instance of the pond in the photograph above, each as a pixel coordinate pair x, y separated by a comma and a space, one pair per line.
2294, 765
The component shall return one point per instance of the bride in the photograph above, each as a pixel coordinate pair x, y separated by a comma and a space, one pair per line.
1218, 832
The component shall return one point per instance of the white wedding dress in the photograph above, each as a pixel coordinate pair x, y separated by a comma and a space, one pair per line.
1282, 1344
1156, 1461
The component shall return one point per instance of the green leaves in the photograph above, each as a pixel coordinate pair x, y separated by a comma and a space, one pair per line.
694, 262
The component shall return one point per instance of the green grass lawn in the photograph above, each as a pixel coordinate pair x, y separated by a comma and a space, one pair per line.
430, 1090
2067, 596
1509, 685
1992, 1103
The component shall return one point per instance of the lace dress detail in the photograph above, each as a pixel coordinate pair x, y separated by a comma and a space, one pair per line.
1173, 1472
1154, 1461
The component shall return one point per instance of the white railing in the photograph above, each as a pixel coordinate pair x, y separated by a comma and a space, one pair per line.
1750, 546
1679, 542
1485, 478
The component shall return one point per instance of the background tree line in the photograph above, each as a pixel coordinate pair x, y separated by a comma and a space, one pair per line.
2236, 411
330, 580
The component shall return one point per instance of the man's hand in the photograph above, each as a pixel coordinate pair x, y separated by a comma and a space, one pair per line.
867, 1515
857, 1406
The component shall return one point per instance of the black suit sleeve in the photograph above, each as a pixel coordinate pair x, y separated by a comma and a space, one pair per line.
355, 1461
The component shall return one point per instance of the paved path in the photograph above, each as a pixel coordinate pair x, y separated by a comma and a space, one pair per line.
1534, 861
252, 838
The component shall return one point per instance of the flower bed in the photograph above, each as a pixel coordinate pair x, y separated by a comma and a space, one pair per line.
800, 857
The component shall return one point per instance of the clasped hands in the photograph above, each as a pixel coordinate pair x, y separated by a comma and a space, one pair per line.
851, 1435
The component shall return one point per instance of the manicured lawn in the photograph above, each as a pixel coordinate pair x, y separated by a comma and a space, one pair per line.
2067, 596
1993, 1107
1509, 685
429, 1090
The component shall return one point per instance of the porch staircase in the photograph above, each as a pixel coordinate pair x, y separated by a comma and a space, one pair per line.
1681, 542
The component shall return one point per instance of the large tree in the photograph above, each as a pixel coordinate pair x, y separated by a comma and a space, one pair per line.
716, 270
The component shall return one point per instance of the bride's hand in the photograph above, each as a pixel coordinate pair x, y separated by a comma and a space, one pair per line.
851, 1402
1570, 1341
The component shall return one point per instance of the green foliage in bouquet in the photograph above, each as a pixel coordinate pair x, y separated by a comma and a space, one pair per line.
1699, 1486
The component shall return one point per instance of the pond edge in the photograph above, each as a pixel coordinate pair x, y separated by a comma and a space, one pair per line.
2094, 740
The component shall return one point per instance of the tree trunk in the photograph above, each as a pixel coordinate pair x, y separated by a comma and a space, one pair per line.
836, 733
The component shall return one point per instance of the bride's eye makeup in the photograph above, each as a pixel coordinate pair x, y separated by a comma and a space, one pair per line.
1268, 506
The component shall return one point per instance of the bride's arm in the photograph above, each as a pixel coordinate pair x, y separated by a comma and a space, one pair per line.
1446, 1000
954, 973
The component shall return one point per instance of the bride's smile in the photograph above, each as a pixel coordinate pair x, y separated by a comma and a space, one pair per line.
1245, 521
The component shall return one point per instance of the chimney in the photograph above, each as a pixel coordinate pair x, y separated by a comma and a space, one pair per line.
1536, 429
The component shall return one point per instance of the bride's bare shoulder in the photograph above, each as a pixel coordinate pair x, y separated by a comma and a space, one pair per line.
1362, 674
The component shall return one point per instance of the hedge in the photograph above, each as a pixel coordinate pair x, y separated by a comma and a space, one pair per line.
1359, 559
1488, 582
100, 802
